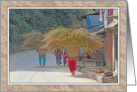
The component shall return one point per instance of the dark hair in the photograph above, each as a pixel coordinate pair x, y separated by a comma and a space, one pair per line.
58, 50
65, 53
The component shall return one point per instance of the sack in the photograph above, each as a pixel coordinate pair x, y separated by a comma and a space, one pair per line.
100, 70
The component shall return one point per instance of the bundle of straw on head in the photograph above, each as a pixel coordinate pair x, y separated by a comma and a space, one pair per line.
33, 40
57, 32
52, 38
72, 40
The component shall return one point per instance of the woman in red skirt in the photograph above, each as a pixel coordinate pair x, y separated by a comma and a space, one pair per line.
72, 65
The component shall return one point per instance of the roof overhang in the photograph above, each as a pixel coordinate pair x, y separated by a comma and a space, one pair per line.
113, 17
112, 25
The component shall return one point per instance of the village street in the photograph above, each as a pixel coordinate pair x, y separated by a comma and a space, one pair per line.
25, 68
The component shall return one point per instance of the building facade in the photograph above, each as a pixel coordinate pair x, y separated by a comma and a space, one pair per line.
109, 28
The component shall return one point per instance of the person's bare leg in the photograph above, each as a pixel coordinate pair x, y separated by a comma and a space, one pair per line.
65, 63
58, 64
73, 73
40, 64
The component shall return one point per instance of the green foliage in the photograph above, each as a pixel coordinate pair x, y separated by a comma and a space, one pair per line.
22, 21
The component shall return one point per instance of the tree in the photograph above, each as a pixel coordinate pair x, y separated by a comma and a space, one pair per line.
23, 21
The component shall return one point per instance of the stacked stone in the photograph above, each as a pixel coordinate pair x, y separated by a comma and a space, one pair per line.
108, 74
109, 78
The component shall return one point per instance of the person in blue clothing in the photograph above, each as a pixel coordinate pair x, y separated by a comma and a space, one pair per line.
58, 55
42, 53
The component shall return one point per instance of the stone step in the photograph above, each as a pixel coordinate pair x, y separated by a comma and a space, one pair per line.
88, 72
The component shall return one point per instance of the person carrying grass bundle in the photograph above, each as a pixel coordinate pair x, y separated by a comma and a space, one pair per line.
72, 40
65, 56
72, 51
42, 53
72, 65
58, 57
33, 40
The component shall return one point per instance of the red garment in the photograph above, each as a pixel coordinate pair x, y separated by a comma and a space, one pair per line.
94, 78
100, 16
64, 57
85, 56
72, 65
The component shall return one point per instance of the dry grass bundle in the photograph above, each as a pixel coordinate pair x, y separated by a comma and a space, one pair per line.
65, 38
56, 32
54, 35
33, 40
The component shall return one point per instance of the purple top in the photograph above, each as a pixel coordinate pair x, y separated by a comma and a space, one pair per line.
58, 57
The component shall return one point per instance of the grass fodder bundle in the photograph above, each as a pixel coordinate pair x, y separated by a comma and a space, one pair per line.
72, 40
33, 40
